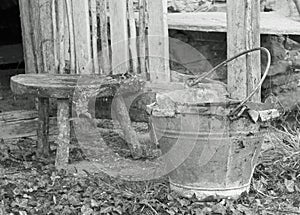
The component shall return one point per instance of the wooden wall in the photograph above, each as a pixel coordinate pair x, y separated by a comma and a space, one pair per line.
73, 36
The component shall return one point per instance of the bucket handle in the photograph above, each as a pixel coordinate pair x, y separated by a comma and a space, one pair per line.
197, 80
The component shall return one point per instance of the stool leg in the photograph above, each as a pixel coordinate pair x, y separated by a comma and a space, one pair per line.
63, 140
43, 146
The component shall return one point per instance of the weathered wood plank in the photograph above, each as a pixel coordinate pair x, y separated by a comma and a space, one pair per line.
271, 22
27, 39
119, 36
243, 33
20, 124
71, 36
63, 86
36, 34
82, 35
93, 9
47, 39
55, 43
61, 36
105, 58
142, 37
133, 38
27, 34
158, 41
253, 60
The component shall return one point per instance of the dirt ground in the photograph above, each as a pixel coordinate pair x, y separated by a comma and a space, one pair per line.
33, 186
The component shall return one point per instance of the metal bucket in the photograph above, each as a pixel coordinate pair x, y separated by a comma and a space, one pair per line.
223, 156
224, 150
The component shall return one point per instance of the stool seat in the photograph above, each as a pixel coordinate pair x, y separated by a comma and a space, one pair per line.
60, 86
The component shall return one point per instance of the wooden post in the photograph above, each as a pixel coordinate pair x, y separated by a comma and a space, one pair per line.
243, 33
119, 36
43, 146
63, 140
158, 40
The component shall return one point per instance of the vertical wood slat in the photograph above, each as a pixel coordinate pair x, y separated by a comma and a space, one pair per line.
34, 14
142, 37
243, 33
47, 39
80, 10
27, 38
158, 41
104, 56
133, 38
93, 8
119, 36
54, 33
61, 35
253, 60
71, 35
66, 40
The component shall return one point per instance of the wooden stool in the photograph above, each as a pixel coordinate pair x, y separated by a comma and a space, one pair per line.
62, 88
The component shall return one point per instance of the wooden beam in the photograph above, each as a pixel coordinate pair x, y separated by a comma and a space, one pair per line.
119, 36
158, 40
243, 33
271, 22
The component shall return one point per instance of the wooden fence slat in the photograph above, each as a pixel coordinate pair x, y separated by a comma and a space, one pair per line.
104, 56
243, 33
47, 40
119, 36
253, 60
133, 38
61, 35
71, 36
27, 38
158, 41
80, 10
142, 37
54, 33
35, 32
93, 9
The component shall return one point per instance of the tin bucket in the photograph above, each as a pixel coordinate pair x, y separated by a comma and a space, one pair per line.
223, 157
224, 150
